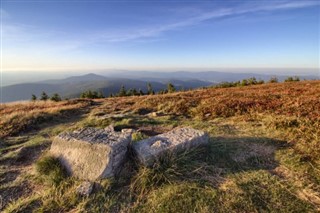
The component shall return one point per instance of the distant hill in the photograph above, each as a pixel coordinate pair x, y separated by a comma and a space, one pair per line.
72, 87
108, 83
211, 76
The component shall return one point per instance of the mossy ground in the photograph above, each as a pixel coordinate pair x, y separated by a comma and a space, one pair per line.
263, 160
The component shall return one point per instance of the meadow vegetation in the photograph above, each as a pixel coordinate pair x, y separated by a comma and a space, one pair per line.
263, 155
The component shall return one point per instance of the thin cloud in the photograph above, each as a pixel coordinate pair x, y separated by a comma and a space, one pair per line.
204, 16
26, 33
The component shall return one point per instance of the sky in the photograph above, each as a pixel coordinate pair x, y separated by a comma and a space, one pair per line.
166, 35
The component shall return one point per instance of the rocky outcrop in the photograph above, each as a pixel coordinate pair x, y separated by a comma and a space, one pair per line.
91, 153
150, 149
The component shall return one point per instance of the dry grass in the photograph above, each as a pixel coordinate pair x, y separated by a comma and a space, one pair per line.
22, 116
263, 155
300, 99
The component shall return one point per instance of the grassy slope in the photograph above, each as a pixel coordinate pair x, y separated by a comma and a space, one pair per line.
264, 154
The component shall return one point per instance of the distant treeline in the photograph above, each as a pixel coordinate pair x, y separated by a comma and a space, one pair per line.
44, 97
253, 81
123, 92
134, 92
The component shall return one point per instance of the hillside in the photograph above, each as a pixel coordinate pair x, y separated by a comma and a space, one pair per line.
263, 156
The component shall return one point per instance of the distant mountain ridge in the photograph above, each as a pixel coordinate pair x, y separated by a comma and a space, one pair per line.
211, 76
72, 87
108, 83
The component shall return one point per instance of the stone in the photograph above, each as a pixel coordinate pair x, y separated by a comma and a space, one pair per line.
129, 131
91, 153
156, 114
85, 188
179, 139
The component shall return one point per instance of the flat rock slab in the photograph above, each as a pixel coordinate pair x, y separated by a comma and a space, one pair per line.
148, 150
91, 153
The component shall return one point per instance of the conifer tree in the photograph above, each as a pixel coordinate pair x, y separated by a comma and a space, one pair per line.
150, 90
55, 97
122, 91
33, 97
171, 88
44, 96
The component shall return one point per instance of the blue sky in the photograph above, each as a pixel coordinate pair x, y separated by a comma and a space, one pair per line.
166, 35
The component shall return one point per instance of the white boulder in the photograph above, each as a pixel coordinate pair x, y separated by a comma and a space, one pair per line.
148, 150
91, 153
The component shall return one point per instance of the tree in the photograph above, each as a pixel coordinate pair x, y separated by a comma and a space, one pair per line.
150, 90
140, 92
135, 92
91, 94
130, 92
273, 80
171, 88
244, 82
252, 81
44, 96
33, 97
55, 97
291, 79
122, 91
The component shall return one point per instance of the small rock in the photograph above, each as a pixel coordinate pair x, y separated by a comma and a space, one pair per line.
129, 131
85, 188
207, 115
156, 114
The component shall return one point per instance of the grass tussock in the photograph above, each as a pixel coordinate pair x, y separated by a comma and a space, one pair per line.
50, 169
193, 165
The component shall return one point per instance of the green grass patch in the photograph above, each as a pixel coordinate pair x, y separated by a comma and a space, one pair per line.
50, 170
183, 197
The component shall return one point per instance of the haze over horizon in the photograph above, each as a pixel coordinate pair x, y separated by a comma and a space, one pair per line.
230, 36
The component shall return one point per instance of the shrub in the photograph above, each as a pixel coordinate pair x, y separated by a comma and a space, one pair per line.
33, 97
55, 97
44, 96
273, 80
91, 94
292, 79
171, 88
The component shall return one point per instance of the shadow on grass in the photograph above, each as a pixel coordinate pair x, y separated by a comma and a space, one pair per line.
245, 153
178, 182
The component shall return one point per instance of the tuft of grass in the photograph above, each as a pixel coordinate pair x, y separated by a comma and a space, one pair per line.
171, 167
25, 204
51, 170
61, 198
